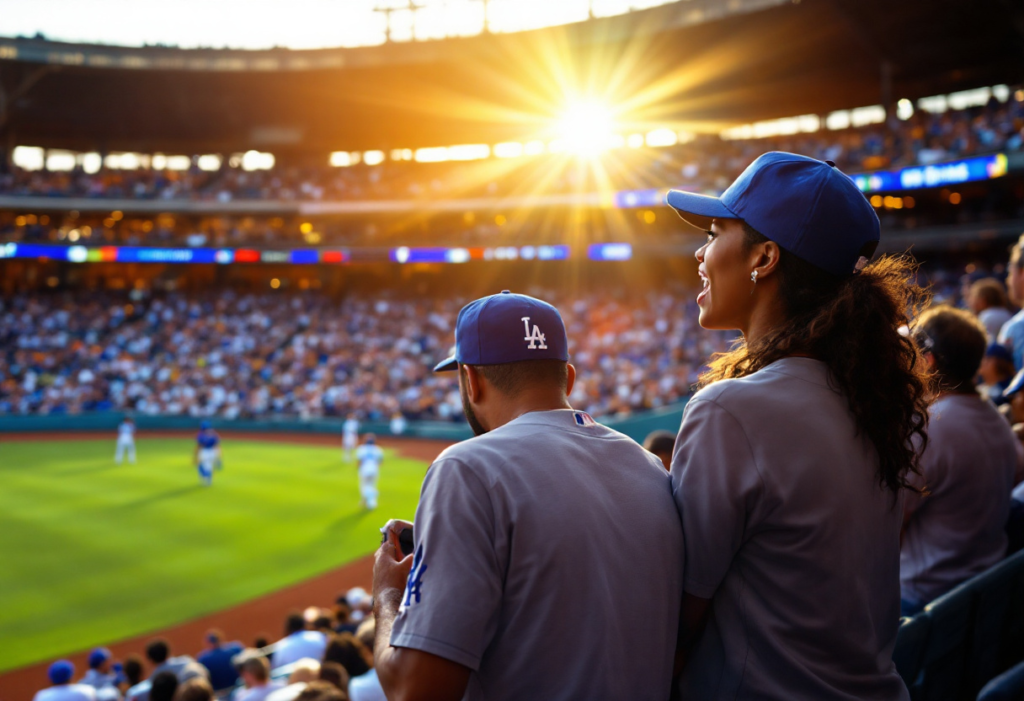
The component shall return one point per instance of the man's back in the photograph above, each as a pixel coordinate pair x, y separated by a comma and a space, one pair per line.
67, 692
218, 663
968, 467
549, 561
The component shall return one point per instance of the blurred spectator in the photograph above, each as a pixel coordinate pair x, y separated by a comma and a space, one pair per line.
60, 674
351, 654
335, 674
366, 687
163, 685
987, 299
302, 673
133, 669
343, 615
322, 691
298, 642
195, 689
102, 676
1012, 333
158, 653
254, 671
217, 656
661, 444
996, 372
955, 529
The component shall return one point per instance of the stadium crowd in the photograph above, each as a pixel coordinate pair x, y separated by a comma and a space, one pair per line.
708, 162
242, 355
325, 654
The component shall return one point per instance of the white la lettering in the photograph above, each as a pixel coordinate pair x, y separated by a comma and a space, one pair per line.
535, 336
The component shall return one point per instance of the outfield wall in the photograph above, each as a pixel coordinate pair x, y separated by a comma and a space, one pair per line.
636, 427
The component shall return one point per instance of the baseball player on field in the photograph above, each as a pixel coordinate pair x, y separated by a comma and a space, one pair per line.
349, 437
125, 441
369, 456
547, 553
207, 455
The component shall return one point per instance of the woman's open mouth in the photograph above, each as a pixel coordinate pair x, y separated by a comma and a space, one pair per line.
707, 286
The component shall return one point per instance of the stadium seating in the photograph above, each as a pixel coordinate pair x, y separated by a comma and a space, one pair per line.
965, 637
1008, 686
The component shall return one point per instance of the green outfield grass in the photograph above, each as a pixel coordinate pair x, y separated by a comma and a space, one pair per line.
93, 552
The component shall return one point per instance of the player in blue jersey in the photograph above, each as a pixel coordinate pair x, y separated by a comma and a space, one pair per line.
207, 455
370, 455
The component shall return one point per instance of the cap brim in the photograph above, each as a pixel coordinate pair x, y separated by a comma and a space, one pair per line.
447, 365
698, 210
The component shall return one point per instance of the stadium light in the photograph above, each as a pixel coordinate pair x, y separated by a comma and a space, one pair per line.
508, 149
92, 162
60, 160
254, 160
28, 157
373, 158
585, 128
662, 137
209, 162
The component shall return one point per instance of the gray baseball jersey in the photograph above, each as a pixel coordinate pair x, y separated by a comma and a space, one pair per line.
548, 560
968, 466
791, 536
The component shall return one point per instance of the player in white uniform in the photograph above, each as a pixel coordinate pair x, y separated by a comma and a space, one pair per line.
398, 423
207, 456
349, 437
370, 456
125, 441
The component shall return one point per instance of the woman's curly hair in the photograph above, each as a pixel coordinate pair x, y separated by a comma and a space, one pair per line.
852, 324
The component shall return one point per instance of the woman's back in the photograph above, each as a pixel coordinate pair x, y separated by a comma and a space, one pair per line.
790, 533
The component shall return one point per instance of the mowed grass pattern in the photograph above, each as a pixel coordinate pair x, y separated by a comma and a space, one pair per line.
92, 552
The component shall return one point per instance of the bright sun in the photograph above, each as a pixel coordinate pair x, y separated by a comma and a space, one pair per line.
586, 127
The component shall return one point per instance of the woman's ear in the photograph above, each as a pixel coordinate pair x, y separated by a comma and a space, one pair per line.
768, 256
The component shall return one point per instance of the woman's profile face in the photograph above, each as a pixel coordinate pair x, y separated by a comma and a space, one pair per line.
725, 266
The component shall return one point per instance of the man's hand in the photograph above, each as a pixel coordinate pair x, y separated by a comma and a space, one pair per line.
390, 570
404, 673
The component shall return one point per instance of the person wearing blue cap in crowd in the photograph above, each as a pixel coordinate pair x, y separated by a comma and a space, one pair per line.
547, 554
60, 674
792, 459
996, 372
207, 455
104, 675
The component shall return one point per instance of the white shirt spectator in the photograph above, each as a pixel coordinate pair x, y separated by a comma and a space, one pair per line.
304, 643
67, 692
957, 531
258, 693
366, 687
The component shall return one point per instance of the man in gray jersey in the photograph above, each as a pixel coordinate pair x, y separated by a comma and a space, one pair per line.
547, 551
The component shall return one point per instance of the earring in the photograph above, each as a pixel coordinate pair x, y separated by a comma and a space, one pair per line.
753, 279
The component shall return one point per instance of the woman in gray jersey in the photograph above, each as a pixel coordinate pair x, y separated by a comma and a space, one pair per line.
791, 461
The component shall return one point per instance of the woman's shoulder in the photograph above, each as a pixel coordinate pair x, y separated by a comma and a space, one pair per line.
780, 382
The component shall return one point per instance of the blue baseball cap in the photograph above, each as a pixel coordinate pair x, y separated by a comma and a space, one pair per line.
999, 351
98, 657
205, 426
807, 206
1016, 385
60, 672
507, 328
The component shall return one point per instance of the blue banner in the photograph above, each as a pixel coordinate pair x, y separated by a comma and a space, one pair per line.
917, 177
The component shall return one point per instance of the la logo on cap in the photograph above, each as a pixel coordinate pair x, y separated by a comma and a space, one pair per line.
535, 337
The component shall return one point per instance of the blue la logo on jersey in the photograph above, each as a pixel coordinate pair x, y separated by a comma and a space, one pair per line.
415, 581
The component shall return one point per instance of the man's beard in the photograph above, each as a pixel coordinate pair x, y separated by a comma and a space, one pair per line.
474, 423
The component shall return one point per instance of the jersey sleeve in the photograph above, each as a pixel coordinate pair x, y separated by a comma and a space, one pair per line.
715, 484
453, 595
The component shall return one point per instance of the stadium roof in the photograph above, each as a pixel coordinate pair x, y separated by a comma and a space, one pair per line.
668, 65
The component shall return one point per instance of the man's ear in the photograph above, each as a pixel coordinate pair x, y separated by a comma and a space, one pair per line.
474, 384
571, 379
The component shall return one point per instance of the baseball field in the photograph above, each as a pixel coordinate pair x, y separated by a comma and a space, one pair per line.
93, 552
